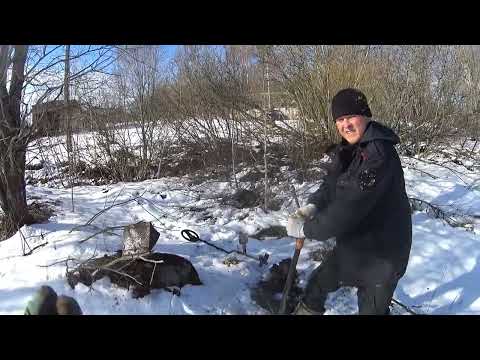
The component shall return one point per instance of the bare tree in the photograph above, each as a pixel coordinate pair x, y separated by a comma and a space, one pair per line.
211, 98
29, 74
264, 53
68, 119
14, 136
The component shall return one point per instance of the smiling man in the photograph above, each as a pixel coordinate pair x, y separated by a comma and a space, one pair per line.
363, 204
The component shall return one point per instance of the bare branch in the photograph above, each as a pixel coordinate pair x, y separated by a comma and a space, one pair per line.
405, 307
101, 232
105, 210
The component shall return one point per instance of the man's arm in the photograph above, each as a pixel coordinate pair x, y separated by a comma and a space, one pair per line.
355, 197
323, 196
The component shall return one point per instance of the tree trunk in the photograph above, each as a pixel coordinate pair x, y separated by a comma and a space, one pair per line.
265, 140
12, 191
13, 197
68, 120
14, 140
66, 85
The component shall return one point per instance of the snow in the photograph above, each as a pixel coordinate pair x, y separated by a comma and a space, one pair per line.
442, 275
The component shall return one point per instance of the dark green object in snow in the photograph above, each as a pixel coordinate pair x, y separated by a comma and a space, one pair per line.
46, 302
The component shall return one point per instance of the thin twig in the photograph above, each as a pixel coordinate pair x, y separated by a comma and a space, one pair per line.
102, 231
106, 209
81, 263
449, 218
127, 257
424, 172
156, 218
405, 307
24, 241
124, 257
294, 193
126, 264
122, 274
151, 202
36, 247
56, 262
116, 197
153, 273
151, 261
455, 172
93, 226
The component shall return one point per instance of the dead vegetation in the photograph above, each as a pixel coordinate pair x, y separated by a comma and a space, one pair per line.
140, 273
452, 218
38, 212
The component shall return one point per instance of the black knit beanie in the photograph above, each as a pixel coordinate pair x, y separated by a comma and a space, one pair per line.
350, 102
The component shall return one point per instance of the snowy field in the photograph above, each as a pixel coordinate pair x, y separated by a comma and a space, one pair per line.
442, 275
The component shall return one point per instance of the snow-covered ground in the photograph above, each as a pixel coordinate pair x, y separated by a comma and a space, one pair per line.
442, 276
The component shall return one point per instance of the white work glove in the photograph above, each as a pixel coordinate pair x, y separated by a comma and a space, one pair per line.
295, 226
307, 212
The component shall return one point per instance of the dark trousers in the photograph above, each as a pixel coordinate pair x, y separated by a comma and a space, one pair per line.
373, 298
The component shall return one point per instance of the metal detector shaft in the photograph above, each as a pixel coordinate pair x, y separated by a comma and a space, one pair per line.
192, 236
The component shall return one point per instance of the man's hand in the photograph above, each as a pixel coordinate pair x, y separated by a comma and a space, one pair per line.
307, 212
295, 226
298, 218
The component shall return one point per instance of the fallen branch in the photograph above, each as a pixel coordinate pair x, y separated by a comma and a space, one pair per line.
155, 217
436, 212
125, 257
56, 262
122, 274
424, 172
455, 172
405, 307
93, 226
141, 205
116, 197
36, 247
24, 241
150, 261
126, 264
106, 209
185, 206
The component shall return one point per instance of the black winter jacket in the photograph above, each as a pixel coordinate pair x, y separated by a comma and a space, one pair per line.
363, 203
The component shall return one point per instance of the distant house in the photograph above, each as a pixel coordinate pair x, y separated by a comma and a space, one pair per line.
50, 117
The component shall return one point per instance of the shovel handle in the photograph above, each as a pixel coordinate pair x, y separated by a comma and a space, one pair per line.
299, 243
291, 271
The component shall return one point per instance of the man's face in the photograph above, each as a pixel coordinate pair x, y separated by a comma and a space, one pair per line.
351, 127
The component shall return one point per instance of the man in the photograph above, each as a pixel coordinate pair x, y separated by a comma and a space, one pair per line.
363, 204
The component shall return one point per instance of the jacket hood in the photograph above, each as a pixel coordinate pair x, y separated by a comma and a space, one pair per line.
377, 131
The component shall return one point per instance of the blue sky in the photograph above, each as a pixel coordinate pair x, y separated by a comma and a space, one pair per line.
170, 50
55, 53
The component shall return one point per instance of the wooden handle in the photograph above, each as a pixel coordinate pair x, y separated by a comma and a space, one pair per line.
291, 272
299, 243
